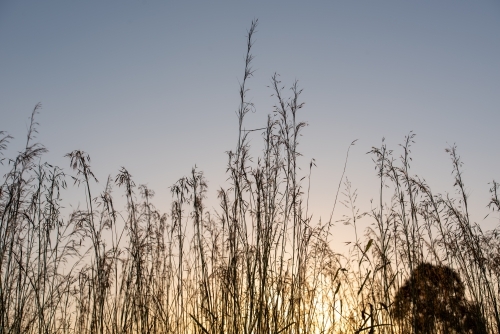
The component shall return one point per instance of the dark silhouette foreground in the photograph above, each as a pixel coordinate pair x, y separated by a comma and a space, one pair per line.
433, 300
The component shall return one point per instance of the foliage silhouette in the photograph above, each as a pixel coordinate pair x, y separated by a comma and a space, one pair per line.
433, 300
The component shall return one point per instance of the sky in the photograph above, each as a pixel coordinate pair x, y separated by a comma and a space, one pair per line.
153, 86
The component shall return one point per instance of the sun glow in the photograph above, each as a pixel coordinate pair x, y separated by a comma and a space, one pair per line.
327, 310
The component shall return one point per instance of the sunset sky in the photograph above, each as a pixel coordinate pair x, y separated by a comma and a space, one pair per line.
153, 86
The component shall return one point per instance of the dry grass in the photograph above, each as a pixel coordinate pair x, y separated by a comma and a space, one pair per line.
258, 264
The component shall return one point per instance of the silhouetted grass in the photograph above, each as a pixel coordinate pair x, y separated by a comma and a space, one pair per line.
258, 264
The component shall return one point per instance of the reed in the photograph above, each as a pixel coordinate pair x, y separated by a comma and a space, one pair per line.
257, 264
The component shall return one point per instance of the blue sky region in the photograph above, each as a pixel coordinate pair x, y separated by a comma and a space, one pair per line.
153, 86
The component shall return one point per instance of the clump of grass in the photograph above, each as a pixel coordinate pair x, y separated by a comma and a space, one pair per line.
258, 264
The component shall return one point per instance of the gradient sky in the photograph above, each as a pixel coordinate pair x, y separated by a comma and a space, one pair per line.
153, 86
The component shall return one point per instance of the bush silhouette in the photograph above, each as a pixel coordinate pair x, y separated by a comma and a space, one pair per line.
433, 300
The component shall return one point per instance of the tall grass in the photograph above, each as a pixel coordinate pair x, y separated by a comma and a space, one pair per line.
258, 264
